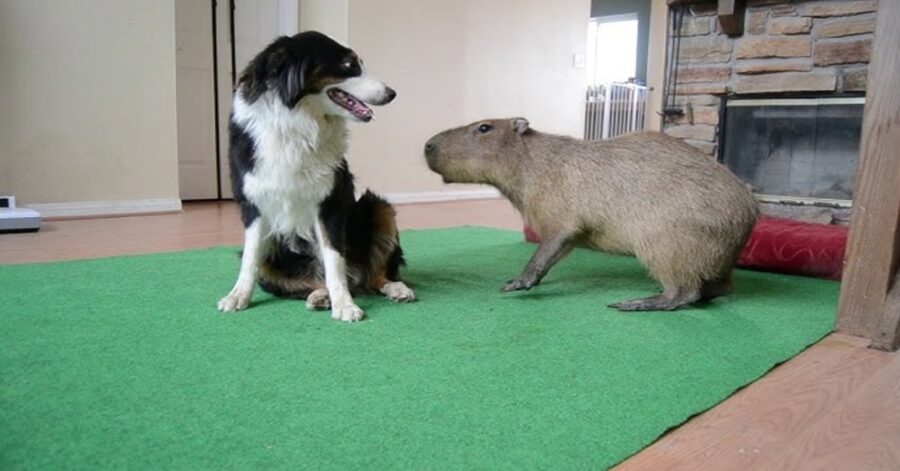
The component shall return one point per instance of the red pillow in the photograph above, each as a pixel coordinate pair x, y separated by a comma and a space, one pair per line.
802, 248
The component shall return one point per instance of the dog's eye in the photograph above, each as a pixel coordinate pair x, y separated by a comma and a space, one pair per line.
484, 128
348, 64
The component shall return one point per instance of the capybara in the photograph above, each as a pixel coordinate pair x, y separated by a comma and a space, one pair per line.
681, 213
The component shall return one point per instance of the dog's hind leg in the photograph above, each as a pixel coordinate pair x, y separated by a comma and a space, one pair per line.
318, 300
385, 254
396, 291
254, 244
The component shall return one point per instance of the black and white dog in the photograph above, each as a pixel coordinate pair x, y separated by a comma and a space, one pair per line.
306, 234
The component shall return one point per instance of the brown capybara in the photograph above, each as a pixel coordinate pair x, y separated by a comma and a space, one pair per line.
682, 214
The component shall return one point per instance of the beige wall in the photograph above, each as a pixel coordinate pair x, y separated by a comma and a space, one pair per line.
88, 92
89, 87
327, 16
453, 62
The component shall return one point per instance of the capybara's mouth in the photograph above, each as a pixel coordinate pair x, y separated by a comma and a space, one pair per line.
350, 103
431, 160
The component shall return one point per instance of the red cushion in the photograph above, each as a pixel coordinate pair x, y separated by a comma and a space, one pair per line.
801, 248
787, 246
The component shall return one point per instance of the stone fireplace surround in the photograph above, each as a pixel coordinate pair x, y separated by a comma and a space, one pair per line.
803, 47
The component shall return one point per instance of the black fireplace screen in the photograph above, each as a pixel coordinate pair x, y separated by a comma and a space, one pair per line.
801, 148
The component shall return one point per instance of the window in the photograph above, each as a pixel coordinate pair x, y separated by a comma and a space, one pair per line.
612, 49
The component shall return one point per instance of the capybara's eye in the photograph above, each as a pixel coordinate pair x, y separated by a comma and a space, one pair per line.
485, 128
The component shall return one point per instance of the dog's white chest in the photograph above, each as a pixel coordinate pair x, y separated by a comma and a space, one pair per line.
295, 160
288, 198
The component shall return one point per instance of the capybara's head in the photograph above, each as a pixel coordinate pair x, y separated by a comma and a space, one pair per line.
472, 153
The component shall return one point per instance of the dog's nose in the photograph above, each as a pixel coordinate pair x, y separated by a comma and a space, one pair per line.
390, 94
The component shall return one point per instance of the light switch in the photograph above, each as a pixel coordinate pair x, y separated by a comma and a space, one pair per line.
578, 61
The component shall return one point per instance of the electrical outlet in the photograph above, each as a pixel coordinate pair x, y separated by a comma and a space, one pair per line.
7, 202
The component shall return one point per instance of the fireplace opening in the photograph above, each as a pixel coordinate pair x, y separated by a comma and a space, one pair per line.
794, 150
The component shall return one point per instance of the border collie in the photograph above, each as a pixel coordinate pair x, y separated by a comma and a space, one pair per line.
305, 233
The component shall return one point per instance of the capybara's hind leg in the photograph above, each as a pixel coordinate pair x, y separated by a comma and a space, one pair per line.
715, 288
670, 299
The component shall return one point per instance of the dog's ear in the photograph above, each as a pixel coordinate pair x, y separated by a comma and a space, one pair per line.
253, 80
292, 80
275, 69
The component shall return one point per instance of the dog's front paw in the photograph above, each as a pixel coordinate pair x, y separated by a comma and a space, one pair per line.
516, 284
318, 300
398, 292
235, 301
348, 313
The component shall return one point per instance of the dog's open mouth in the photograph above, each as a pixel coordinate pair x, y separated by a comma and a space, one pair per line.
350, 103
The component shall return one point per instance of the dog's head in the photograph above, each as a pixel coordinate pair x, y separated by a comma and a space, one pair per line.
311, 65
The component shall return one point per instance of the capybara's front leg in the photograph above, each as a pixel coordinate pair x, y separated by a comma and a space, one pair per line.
548, 253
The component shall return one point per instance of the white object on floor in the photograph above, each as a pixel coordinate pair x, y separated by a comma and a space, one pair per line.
19, 219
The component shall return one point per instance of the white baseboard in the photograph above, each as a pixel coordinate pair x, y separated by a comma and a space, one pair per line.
441, 196
165, 205
105, 208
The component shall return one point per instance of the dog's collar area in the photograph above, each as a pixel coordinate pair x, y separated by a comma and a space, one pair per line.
350, 103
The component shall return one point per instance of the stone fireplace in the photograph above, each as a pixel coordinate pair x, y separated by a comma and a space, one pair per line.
792, 86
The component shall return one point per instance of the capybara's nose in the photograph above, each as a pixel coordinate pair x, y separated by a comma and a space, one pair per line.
429, 147
390, 94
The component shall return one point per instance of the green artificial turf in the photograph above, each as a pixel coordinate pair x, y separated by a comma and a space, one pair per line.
125, 363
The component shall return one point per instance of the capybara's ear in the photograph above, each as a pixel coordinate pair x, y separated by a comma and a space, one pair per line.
520, 125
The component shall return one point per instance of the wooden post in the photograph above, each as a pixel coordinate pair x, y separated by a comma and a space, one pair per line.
676, 3
730, 13
731, 16
870, 291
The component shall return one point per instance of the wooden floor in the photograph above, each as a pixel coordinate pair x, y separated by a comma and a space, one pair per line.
835, 406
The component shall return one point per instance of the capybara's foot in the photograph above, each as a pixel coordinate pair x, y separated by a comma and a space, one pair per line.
714, 289
518, 284
660, 302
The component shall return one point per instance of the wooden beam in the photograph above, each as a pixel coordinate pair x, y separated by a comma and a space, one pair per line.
678, 3
731, 17
870, 292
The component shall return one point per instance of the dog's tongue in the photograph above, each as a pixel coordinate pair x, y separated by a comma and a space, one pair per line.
350, 103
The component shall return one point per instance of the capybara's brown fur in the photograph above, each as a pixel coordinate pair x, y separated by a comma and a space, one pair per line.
682, 214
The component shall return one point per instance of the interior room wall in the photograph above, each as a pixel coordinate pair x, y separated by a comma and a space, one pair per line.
455, 62
90, 116
89, 112
327, 16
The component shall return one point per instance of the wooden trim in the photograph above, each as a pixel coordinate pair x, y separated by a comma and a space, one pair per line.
730, 13
870, 293
656, 64
731, 17
678, 3
442, 196
78, 209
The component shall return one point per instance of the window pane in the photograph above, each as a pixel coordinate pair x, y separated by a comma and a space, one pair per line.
613, 49
808, 151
